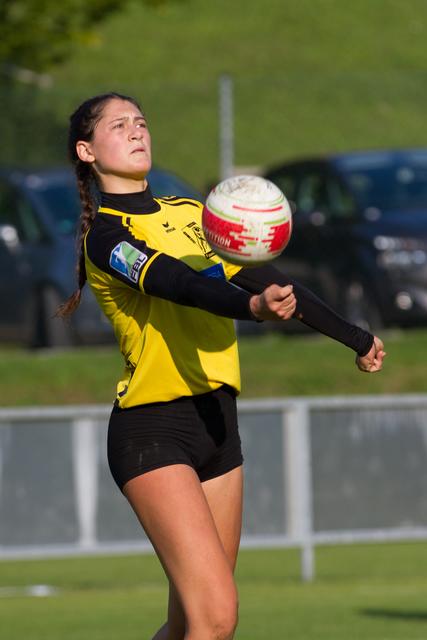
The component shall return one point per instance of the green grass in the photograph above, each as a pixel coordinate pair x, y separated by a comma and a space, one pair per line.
314, 365
374, 592
310, 76
272, 365
50, 377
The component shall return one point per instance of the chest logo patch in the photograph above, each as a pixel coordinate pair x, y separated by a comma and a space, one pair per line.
195, 234
127, 260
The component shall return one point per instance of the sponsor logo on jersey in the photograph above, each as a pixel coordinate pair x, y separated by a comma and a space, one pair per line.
195, 234
215, 271
127, 260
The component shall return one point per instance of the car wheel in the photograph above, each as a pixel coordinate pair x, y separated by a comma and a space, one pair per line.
360, 308
50, 330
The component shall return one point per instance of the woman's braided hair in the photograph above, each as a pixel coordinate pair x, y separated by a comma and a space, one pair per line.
82, 127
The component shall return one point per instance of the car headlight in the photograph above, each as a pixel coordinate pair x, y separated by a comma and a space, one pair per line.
400, 253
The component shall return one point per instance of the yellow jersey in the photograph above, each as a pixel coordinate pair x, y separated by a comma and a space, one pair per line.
170, 350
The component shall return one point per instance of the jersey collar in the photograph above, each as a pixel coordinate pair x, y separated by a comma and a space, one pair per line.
141, 202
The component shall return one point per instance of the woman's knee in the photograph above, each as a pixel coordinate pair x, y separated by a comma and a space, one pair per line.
226, 622
217, 620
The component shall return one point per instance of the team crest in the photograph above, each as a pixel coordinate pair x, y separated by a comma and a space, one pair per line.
127, 260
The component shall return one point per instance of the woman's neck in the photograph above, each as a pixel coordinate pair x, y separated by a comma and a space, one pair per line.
119, 184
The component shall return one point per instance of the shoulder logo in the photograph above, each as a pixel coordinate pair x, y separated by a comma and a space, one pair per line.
127, 260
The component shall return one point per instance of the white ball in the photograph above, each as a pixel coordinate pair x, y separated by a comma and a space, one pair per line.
247, 220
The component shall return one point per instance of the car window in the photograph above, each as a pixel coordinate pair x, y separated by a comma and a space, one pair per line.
324, 194
286, 183
7, 205
61, 200
386, 182
341, 202
16, 211
313, 194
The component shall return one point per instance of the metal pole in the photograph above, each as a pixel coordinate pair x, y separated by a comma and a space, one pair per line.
226, 127
298, 484
85, 479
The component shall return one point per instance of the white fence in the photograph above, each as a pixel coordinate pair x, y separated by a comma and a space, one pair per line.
317, 471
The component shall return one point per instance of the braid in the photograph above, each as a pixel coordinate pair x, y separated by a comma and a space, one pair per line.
84, 181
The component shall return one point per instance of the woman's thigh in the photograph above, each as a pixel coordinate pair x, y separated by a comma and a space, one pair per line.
225, 498
178, 515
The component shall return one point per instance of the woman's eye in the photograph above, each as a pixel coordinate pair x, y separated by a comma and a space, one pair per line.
119, 125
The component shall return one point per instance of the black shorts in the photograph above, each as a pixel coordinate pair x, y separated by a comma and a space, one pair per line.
200, 431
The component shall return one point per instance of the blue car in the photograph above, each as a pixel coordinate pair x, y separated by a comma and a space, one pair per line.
38, 215
360, 233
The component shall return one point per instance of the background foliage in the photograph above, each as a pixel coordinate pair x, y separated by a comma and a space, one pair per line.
310, 76
37, 33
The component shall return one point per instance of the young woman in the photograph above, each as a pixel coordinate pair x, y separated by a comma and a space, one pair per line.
173, 443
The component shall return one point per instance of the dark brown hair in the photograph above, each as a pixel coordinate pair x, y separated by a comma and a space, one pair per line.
82, 127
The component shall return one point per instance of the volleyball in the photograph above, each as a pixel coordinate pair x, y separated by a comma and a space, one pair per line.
247, 220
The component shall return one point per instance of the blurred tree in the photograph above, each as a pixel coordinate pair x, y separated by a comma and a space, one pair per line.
31, 132
35, 34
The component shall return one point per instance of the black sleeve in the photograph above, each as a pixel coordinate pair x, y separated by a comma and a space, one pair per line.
310, 310
173, 280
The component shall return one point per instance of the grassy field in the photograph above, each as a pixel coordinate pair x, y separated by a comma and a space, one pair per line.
374, 592
272, 365
310, 76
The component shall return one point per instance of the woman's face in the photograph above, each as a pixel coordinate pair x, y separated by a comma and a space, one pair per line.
120, 151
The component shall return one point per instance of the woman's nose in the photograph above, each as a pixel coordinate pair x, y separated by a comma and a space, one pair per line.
135, 133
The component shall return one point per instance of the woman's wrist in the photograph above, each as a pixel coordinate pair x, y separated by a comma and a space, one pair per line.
255, 307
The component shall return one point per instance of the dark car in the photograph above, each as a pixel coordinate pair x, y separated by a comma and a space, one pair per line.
360, 233
38, 215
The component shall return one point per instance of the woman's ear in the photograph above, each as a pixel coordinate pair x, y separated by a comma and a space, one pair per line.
83, 150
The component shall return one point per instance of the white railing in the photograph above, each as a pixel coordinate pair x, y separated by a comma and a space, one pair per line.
318, 471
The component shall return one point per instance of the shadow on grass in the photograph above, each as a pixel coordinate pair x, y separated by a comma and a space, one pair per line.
396, 614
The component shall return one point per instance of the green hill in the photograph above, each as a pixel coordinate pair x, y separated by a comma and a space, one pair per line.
310, 76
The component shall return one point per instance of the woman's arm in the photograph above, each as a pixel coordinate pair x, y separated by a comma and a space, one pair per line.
173, 280
310, 309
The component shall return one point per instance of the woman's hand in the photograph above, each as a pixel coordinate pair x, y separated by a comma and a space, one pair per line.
373, 361
274, 303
